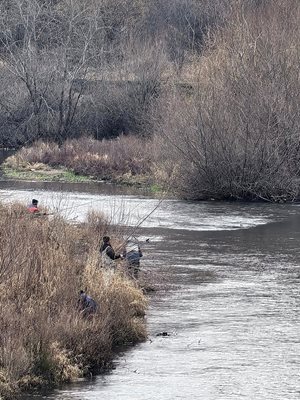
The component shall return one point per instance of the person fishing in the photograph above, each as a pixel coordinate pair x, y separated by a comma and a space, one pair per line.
132, 255
86, 305
108, 255
33, 207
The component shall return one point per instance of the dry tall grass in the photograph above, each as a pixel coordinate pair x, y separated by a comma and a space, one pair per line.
105, 159
43, 265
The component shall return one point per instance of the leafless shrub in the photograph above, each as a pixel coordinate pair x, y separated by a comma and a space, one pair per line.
52, 53
237, 135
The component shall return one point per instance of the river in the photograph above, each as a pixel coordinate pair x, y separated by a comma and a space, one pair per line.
231, 305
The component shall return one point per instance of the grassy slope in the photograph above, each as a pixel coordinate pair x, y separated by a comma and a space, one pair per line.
43, 264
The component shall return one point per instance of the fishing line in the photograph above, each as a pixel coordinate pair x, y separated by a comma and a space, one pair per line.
138, 225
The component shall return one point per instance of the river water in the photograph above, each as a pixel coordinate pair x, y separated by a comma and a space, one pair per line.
231, 306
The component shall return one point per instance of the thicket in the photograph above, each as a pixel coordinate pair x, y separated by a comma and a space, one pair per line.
213, 85
44, 340
126, 156
96, 67
237, 136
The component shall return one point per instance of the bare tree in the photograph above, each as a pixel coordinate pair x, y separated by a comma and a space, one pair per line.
45, 62
237, 136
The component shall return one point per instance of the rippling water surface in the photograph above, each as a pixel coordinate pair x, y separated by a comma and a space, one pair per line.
232, 309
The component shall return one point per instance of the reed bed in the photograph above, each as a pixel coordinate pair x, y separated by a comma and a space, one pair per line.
44, 340
105, 159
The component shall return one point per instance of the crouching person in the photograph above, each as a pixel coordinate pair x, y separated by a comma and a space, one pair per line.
34, 210
33, 207
86, 305
132, 255
108, 255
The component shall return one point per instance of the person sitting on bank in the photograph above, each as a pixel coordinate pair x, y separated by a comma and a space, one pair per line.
132, 255
33, 207
108, 254
86, 305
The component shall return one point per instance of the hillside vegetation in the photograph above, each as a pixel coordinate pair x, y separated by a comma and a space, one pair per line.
212, 87
44, 338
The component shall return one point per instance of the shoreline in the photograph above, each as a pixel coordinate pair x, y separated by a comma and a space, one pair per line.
41, 163
154, 189
47, 342
63, 175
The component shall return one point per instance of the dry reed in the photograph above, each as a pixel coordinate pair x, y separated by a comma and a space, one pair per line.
43, 264
106, 159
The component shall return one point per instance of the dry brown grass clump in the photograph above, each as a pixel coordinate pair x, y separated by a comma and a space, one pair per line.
43, 265
105, 159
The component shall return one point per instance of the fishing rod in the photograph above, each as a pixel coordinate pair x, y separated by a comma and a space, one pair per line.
165, 191
138, 225
91, 202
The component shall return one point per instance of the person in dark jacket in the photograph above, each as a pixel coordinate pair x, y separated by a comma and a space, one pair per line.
108, 254
86, 305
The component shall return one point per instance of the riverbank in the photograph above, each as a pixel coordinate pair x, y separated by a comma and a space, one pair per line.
39, 172
231, 309
152, 164
42, 173
44, 262
121, 161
